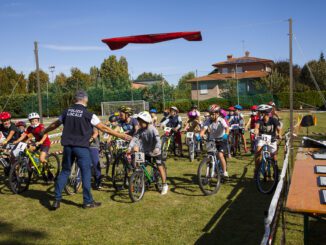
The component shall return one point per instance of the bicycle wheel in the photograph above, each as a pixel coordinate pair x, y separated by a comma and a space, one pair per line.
267, 176
6, 166
209, 179
74, 183
20, 176
165, 148
191, 150
119, 174
53, 166
136, 186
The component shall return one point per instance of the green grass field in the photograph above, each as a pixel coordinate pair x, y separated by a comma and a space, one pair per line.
235, 215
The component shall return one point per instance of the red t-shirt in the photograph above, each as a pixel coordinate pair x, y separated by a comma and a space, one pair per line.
254, 120
36, 133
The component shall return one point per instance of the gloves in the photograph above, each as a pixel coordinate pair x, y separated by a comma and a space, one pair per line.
225, 136
156, 152
198, 138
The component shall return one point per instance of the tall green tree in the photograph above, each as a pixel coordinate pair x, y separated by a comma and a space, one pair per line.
32, 81
8, 80
275, 83
149, 76
318, 70
183, 89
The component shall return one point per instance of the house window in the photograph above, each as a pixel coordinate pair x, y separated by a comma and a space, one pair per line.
203, 89
239, 69
224, 70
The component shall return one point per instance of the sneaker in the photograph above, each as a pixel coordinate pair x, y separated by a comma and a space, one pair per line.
225, 175
92, 205
164, 189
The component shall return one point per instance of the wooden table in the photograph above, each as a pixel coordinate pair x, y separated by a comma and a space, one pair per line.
304, 193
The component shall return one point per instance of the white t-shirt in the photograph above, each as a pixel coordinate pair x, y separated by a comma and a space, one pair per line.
215, 130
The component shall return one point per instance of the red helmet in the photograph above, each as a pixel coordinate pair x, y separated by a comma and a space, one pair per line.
5, 115
231, 108
253, 108
21, 123
214, 108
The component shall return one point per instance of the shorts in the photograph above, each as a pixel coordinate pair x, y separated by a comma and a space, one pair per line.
44, 148
272, 148
221, 146
158, 159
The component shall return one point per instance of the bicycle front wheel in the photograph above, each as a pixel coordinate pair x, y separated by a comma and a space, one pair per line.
119, 172
19, 176
267, 176
136, 186
209, 177
74, 183
53, 164
165, 147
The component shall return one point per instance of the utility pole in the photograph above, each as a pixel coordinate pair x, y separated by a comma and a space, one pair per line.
51, 68
38, 82
291, 91
197, 90
163, 92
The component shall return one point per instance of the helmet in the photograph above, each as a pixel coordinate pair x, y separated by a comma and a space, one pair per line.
192, 114
153, 111
174, 108
253, 108
231, 108
116, 114
113, 118
21, 123
264, 108
5, 115
33, 115
145, 116
271, 103
238, 107
223, 113
125, 109
214, 108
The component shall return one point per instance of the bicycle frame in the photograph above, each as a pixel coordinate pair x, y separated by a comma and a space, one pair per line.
31, 156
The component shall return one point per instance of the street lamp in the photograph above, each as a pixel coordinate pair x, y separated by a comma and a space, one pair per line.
51, 68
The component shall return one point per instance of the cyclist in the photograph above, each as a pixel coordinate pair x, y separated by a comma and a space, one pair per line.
127, 122
174, 121
194, 108
270, 126
147, 140
166, 114
230, 114
273, 112
21, 125
238, 118
153, 113
34, 130
218, 131
193, 124
8, 128
114, 125
254, 117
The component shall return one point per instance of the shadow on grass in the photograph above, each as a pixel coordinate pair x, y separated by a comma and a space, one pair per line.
241, 219
11, 235
184, 186
121, 196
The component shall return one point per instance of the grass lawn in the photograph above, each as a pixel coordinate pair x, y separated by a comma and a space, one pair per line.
235, 215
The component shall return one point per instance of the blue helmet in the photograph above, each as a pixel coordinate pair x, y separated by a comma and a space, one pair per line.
153, 110
238, 107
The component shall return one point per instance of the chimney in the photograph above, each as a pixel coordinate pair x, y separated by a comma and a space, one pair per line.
247, 53
229, 56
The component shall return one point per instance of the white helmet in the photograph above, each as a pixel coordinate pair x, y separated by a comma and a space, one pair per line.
145, 116
33, 115
264, 108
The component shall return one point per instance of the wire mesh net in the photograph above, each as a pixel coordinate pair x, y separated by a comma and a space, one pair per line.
109, 108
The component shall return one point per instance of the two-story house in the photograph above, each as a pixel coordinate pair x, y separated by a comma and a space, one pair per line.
243, 69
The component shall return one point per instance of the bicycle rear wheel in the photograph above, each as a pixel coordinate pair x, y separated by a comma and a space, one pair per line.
74, 183
137, 186
209, 179
119, 172
53, 167
191, 150
19, 176
267, 176
165, 147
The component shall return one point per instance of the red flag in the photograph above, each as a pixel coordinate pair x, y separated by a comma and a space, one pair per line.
120, 42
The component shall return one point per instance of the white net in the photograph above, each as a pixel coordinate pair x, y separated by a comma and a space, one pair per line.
113, 106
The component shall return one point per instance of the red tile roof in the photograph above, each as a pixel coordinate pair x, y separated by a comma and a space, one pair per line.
138, 85
242, 60
224, 77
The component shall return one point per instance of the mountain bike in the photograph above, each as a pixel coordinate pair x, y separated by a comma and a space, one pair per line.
267, 173
74, 183
106, 157
169, 144
193, 145
235, 139
5, 158
27, 163
210, 169
145, 174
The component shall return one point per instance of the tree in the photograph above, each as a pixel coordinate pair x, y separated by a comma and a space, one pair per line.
275, 83
149, 76
77, 80
183, 89
318, 69
32, 81
8, 80
283, 68
322, 58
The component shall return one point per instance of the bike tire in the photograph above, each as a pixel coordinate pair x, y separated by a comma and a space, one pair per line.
165, 148
136, 187
74, 183
53, 164
204, 181
119, 174
262, 183
19, 176
191, 151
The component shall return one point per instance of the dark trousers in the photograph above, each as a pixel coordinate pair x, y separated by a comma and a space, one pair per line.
95, 155
84, 161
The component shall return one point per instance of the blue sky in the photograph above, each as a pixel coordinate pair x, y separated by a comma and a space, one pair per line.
70, 32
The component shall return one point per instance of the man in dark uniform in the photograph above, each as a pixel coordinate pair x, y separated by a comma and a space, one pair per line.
78, 126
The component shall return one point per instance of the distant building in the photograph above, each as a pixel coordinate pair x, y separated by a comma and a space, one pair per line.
136, 84
244, 69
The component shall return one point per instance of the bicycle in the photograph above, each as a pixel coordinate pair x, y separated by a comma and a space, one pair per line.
74, 183
27, 163
210, 170
5, 158
266, 175
235, 139
168, 143
193, 145
106, 157
144, 175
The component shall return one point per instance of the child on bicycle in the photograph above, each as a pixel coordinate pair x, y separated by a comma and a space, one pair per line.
35, 130
113, 124
238, 118
21, 125
147, 140
193, 124
254, 118
8, 128
154, 116
218, 131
